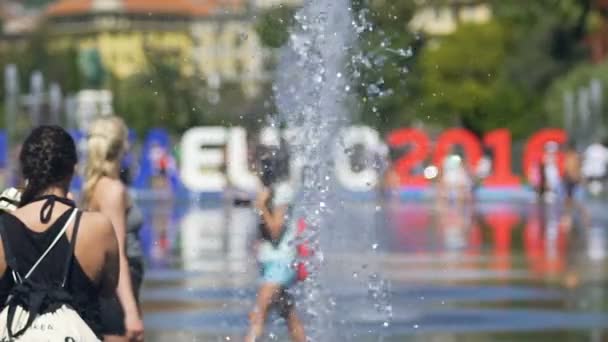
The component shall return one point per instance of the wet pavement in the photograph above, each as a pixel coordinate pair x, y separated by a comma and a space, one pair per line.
493, 272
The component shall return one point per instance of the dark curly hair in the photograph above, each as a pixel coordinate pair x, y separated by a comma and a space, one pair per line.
48, 157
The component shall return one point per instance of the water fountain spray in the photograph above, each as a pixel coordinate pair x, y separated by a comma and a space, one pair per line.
311, 90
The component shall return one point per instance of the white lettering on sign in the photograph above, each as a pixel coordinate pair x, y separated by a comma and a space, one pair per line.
238, 170
213, 157
203, 155
367, 177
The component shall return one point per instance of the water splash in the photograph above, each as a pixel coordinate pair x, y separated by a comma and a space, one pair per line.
310, 93
313, 90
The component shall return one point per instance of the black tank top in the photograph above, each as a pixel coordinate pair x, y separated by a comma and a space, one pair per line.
27, 246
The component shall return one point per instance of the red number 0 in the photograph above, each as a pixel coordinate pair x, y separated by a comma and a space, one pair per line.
462, 137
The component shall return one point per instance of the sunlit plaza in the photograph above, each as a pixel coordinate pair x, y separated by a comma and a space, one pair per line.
331, 170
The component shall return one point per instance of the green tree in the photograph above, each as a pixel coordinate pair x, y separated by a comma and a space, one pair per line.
57, 65
382, 57
159, 96
579, 77
163, 96
273, 25
546, 40
387, 49
463, 81
37, 3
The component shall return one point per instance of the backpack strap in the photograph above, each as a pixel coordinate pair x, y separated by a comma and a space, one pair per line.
9, 256
70, 258
36, 295
53, 244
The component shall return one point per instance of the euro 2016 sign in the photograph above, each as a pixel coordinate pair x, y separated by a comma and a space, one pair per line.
215, 157
498, 142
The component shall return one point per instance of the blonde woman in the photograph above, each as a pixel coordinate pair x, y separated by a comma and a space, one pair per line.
104, 192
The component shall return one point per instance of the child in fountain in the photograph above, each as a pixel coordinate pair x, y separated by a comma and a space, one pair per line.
276, 253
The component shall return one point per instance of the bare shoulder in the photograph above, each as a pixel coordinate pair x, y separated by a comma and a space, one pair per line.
111, 190
97, 224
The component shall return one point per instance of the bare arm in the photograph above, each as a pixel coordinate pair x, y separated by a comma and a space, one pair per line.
111, 268
113, 204
274, 220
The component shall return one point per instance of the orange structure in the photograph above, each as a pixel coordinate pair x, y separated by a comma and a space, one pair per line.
187, 8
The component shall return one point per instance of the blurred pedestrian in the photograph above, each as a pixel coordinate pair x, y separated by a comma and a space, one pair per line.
105, 192
573, 180
548, 179
595, 162
455, 183
45, 255
276, 251
483, 170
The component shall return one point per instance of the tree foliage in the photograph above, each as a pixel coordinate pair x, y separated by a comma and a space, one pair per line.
482, 76
273, 25
572, 82
462, 74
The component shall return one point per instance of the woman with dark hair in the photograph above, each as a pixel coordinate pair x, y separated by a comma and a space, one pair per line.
81, 264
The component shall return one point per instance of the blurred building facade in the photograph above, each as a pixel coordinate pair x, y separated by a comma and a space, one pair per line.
16, 19
214, 39
442, 18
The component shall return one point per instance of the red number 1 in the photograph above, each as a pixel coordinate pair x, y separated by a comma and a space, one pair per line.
502, 175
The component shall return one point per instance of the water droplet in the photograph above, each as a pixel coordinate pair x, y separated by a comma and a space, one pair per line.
373, 90
339, 75
355, 275
375, 246
386, 324
416, 326
407, 53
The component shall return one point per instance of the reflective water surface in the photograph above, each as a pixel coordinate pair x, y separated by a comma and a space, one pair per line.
490, 272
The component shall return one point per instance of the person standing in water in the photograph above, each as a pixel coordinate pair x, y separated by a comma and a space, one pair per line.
85, 259
105, 192
276, 253
572, 180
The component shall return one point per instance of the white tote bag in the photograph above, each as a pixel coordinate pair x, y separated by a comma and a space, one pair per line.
61, 325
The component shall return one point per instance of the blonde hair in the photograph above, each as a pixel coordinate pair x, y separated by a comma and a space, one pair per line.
106, 144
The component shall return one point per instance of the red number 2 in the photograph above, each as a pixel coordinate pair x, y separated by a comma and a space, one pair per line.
419, 143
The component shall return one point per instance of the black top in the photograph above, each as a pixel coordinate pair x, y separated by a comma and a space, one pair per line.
26, 246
